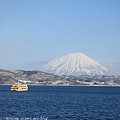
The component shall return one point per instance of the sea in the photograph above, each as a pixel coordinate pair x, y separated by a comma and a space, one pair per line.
60, 103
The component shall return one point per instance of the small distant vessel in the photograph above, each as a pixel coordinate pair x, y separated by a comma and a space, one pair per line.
19, 87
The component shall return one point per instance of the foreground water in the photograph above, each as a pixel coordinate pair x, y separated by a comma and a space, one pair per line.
60, 103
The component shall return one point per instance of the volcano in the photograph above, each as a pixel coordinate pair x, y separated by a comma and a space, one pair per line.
75, 64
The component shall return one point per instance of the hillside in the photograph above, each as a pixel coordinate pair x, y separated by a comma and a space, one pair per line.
42, 78
30, 77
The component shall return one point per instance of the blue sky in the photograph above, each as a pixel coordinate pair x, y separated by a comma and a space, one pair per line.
34, 31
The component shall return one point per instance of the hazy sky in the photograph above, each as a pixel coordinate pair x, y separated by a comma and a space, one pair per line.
34, 31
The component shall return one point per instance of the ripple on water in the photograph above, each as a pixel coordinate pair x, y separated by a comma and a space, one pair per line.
61, 103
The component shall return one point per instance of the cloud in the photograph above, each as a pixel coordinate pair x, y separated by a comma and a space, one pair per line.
113, 66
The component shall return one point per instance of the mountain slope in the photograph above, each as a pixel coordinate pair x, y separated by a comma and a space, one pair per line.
75, 64
31, 77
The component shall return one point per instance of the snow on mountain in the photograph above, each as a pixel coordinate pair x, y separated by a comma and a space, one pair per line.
75, 64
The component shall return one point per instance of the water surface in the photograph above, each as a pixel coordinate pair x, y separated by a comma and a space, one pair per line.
61, 103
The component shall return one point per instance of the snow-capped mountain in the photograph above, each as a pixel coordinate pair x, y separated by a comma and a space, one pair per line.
75, 64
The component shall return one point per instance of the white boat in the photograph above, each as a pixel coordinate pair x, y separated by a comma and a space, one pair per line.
19, 87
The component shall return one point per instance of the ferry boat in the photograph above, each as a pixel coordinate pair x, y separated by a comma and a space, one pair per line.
19, 87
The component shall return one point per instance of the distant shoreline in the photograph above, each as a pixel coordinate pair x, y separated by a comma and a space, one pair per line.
67, 85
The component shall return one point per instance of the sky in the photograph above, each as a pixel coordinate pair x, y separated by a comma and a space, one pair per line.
33, 32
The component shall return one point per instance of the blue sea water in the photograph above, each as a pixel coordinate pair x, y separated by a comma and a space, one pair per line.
60, 103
